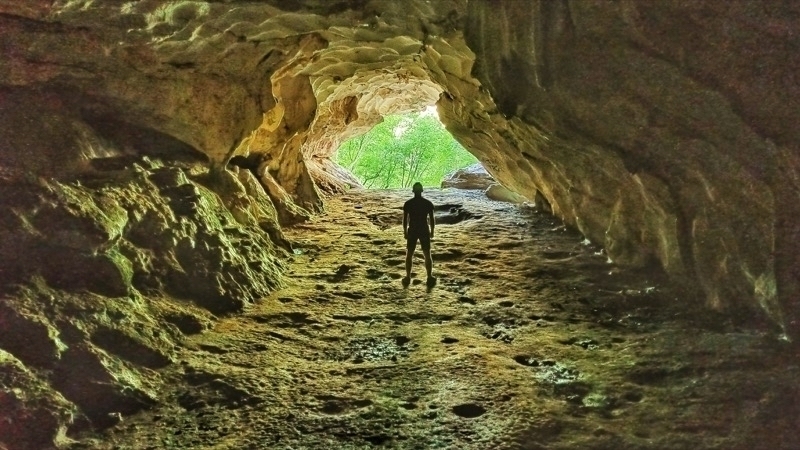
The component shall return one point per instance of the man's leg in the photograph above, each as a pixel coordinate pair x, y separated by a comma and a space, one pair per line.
426, 250
411, 245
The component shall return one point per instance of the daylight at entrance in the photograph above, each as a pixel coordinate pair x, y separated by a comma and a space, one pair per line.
402, 149
211, 235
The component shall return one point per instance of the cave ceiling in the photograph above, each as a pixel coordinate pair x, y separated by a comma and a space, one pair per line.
664, 131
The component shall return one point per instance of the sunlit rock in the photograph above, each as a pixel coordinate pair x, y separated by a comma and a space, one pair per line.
472, 177
501, 193
154, 149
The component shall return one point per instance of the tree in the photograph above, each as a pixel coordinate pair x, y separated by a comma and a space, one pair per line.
353, 152
404, 149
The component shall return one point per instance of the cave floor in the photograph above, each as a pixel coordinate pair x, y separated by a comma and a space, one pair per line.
531, 339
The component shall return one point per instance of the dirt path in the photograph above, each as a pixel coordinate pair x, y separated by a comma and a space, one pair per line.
531, 339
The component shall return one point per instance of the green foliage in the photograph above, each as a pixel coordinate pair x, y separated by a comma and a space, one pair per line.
404, 149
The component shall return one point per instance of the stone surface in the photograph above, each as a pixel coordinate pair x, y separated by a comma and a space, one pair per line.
569, 351
34, 416
153, 151
476, 177
100, 275
472, 177
147, 229
501, 193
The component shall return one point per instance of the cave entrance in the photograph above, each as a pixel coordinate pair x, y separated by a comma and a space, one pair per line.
403, 149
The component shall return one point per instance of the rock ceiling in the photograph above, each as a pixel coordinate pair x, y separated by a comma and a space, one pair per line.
153, 150
664, 131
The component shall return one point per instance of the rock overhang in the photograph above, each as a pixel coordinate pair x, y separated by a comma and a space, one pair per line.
662, 131
647, 143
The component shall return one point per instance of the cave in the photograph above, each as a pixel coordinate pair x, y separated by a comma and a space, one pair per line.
406, 148
184, 265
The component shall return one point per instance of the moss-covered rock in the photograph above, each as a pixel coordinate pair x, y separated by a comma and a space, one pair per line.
94, 270
33, 414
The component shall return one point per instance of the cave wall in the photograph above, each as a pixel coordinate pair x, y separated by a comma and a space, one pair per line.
152, 152
103, 276
661, 130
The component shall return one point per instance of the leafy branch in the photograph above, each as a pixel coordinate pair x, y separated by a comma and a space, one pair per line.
404, 149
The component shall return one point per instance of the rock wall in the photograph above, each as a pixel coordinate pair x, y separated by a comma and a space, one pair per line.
103, 275
662, 130
153, 149
116, 240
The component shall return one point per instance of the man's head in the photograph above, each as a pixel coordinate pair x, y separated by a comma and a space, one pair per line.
417, 188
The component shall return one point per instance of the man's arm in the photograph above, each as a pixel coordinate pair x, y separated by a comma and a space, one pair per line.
405, 224
432, 220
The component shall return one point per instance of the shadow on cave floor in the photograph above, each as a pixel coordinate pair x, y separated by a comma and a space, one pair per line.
530, 340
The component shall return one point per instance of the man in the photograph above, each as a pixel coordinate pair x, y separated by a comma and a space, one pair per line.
417, 218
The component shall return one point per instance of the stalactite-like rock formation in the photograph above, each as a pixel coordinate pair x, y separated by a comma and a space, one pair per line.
154, 149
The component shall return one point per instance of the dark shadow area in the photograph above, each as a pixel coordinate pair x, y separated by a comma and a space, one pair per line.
138, 141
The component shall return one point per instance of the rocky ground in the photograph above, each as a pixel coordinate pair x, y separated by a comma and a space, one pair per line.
531, 339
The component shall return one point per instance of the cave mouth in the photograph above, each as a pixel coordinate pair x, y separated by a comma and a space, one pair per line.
402, 149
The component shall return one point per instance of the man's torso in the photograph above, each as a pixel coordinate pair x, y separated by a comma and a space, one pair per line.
418, 209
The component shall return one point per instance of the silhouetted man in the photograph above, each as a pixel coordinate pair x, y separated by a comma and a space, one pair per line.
417, 218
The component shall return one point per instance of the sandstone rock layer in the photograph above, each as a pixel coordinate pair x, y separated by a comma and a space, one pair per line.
154, 150
659, 129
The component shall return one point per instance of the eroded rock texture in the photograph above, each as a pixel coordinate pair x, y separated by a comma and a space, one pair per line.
105, 274
153, 149
660, 129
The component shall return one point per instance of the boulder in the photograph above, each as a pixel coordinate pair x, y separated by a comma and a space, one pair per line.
501, 193
472, 177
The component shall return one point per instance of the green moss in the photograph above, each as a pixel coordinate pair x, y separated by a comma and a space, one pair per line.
178, 14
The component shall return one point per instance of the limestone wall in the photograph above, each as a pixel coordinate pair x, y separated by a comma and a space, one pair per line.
662, 130
159, 142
